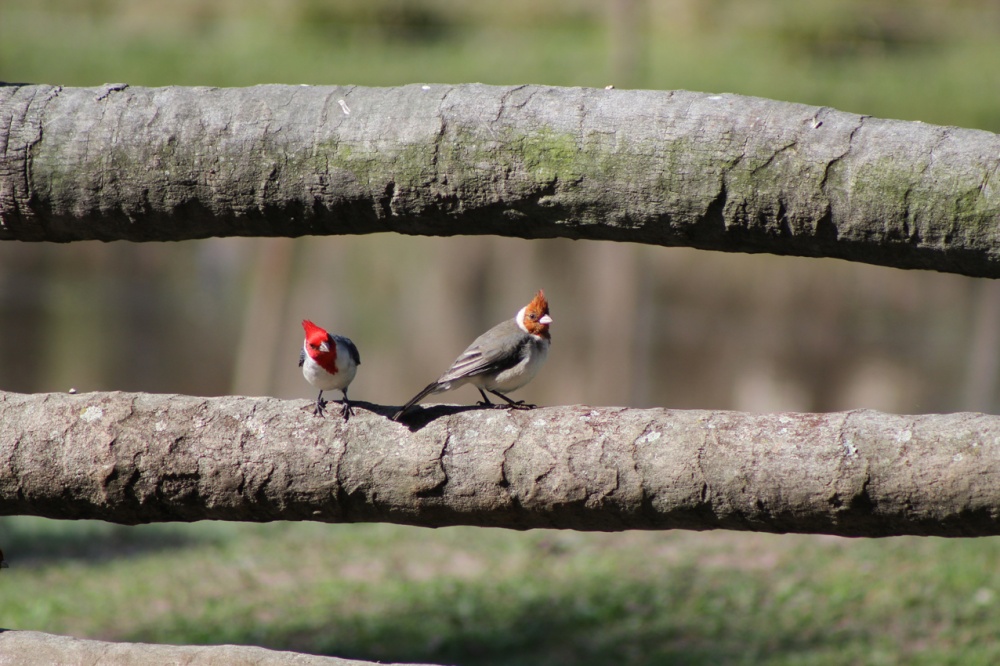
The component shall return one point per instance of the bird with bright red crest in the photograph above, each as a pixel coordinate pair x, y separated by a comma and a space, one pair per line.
329, 362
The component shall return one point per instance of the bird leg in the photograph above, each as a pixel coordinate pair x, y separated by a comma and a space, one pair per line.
520, 404
346, 409
320, 405
485, 401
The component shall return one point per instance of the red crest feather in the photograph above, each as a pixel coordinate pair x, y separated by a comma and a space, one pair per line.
314, 334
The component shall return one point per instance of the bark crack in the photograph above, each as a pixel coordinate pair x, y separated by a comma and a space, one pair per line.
437, 490
703, 482
504, 479
503, 101
27, 165
773, 156
839, 158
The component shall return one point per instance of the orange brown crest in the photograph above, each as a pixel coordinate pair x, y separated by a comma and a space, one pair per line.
536, 315
539, 305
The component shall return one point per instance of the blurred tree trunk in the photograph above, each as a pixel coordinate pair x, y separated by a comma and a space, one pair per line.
626, 27
720, 172
610, 278
136, 458
258, 350
983, 370
23, 286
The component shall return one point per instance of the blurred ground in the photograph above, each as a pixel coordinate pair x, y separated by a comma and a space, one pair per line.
687, 329
483, 597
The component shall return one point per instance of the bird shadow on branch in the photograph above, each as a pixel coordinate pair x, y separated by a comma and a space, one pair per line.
419, 417
333, 408
414, 419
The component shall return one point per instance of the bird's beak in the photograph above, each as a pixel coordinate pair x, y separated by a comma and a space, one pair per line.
324, 347
546, 320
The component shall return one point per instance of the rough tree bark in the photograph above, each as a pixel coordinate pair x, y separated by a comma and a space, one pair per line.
33, 648
720, 172
135, 458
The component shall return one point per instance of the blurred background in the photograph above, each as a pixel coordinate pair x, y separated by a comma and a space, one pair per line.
691, 329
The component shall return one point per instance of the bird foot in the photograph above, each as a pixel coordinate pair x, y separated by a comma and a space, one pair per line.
487, 403
346, 410
320, 406
520, 404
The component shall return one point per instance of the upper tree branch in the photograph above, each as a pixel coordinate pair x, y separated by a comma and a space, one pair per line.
132, 458
720, 172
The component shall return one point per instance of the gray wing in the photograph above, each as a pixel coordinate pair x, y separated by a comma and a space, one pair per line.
302, 357
496, 350
351, 349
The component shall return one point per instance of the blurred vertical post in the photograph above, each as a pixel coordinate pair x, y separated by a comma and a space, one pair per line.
264, 317
625, 18
984, 349
641, 394
610, 280
24, 352
85, 309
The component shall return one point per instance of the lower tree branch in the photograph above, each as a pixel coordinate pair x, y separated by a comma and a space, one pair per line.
136, 458
33, 648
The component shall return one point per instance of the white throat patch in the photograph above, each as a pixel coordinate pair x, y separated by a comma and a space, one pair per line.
520, 319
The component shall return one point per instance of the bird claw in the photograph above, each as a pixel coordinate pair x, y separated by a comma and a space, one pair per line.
508, 403
319, 409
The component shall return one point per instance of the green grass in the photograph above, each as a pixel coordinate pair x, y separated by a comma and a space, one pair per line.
929, 62
247, 48
479, 596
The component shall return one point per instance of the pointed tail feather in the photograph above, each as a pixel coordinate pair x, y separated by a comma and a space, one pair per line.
433, 387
